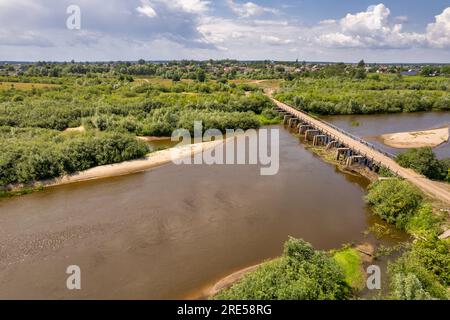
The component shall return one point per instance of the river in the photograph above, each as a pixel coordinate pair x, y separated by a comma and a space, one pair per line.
170, 232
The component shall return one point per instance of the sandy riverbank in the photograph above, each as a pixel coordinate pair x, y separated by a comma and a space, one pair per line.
128, 167
151, 139
152, 160
416, 139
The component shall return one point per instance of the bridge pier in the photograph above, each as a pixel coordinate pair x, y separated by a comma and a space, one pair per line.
352, 160
303, 128
320, 140
311, 134
286, 119
345, 152
293, 122
332, 144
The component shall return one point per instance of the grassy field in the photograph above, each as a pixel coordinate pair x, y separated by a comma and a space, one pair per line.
159, 81
350, 261
25, 86
264, 84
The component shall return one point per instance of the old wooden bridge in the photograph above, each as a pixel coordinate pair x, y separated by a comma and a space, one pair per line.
355, 150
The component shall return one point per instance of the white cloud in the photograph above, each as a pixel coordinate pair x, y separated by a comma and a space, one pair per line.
327, 22
338, 40
369, 29
28, 38
438, 33
249, 9
170, 29
274, 40
368, 22
146, 9
190, 6
401, 19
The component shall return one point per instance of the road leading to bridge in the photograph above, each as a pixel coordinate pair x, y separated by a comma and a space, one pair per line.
431, 188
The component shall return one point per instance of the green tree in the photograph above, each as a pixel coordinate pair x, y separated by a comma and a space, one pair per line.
394, 200
360, 74
421, 272
300, 274
424, 161
201, 75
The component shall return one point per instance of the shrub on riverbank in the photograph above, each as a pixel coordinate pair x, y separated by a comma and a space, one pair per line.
424, 161
300, 274
422, 272
30, 155
394, 200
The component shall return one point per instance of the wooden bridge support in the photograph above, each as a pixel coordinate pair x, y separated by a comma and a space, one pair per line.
332, 144
310, 134
304, 128
286, 119
345, 152
300, 123
292, 123
355, 160
320, 140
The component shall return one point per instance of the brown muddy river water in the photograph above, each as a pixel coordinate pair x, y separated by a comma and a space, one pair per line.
172, 231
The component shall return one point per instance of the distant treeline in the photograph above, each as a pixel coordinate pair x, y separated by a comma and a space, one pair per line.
386, 94
222, 69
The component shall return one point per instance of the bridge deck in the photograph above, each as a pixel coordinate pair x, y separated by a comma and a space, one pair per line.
429, 187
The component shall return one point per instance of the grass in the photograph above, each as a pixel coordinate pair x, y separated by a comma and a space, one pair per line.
274, 84
266, 121
21, 192
25, 86
158, 81
350, 261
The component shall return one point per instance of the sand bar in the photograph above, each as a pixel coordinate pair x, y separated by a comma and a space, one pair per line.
152, 160
416, 139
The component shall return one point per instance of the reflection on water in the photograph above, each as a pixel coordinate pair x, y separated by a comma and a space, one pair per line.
370, 127
170, 231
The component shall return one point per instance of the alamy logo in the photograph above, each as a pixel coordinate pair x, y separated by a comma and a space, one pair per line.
240, 147
374, 279
73, 22
74, 280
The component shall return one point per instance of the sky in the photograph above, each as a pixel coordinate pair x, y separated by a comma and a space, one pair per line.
311, 30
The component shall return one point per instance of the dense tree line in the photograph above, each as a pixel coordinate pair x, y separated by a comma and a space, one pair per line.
30, 155
387, 95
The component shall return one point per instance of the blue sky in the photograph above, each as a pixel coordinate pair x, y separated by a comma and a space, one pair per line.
314, 30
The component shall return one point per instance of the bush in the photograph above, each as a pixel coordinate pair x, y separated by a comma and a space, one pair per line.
422, 272
33, 155
394, 200
434, 255
424, 223
424, 161
408, 287
300, 274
